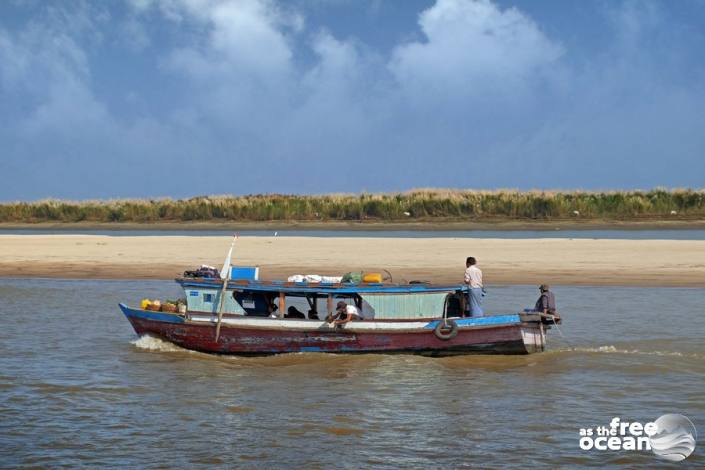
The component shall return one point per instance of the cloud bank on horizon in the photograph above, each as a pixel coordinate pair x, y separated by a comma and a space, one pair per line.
185, 97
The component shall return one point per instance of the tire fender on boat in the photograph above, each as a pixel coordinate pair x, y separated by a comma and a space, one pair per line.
441, 331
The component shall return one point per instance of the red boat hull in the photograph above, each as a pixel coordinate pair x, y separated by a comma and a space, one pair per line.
500, 339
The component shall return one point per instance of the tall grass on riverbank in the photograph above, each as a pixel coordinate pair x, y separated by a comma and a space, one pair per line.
418, 205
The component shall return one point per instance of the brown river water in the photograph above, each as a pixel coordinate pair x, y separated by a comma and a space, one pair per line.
79, 388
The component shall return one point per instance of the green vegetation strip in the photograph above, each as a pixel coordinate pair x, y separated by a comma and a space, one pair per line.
412, 205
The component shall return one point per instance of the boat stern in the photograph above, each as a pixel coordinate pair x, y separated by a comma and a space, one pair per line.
533, 331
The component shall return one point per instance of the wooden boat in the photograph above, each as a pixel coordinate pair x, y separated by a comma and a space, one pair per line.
247, 317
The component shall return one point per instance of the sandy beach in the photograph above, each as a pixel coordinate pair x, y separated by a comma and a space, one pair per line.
504, 261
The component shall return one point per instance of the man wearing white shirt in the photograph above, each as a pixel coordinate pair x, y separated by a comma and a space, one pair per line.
346, 313
473, 278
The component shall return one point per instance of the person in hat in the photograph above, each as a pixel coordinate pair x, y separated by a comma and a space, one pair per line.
345, 313
546, 302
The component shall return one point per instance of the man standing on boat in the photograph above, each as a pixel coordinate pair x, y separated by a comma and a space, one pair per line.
473, 278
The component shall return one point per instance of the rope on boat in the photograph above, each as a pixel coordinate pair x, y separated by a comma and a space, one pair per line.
391, 279
553, 319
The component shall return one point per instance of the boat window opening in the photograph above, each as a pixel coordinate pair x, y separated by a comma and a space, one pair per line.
268, 305
314, 307
255, 304
305, 305
454, 304
208, 298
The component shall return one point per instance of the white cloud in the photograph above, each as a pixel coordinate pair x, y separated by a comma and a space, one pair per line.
471, 47
241, 37
247, 35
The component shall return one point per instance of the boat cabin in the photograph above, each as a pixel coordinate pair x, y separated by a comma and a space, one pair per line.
378, 301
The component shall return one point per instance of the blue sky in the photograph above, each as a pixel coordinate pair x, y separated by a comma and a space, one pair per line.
187, 97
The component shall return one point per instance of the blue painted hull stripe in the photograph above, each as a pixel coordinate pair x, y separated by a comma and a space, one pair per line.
481, 321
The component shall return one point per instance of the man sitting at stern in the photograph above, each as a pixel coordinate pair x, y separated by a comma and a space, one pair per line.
546, 302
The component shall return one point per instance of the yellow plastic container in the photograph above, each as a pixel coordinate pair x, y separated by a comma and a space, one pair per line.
372, 277
145, 303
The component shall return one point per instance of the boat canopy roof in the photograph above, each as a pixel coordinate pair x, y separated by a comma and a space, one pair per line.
302, 289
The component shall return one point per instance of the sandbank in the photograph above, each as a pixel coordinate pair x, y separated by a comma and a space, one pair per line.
504, 261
